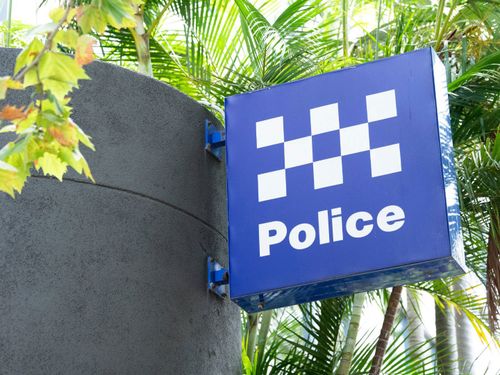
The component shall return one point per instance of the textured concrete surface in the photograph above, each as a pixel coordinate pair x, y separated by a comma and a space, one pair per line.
110, 278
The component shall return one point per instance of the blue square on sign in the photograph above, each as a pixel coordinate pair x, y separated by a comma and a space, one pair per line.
342, 183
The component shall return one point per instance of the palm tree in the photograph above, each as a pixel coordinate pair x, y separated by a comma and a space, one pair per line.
352, 334
464, 332
385, 332
416, 335
446, 344
211, 49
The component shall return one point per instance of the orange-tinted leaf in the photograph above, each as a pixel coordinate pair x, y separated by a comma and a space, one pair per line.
66, 135
84, 50
79, 12
11, 112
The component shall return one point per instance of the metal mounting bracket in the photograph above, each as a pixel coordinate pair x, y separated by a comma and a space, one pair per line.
214, 140
218, 278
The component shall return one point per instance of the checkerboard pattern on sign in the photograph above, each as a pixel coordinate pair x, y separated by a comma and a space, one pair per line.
328, 172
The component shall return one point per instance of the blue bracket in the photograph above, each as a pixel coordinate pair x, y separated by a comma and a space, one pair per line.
214, 140
218, 278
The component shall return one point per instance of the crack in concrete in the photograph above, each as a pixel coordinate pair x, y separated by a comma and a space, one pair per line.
182, 210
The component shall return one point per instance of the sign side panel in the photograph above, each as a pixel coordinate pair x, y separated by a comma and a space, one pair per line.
447, 160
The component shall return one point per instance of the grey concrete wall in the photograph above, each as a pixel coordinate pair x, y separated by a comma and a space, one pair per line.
110, 278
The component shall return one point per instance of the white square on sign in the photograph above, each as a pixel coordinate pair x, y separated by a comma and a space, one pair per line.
381, 105
298, 152
385, 160
272, 185
324, 119
270, 132
328, 172
354, 139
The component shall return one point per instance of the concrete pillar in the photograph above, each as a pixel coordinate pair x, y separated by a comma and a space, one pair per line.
110, 278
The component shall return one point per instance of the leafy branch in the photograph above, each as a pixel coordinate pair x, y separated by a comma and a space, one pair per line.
48, 43
45, 136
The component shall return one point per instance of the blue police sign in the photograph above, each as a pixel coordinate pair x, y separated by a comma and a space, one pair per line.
342, 183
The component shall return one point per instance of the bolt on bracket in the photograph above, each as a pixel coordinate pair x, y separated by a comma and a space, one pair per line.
218, 278
215, 140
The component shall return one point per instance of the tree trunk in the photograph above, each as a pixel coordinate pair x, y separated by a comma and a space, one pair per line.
416, 332
377, 31
416, 335
464, 333
352, 334
9, 25
493, 270
141, 39
445, 340
265, 322
385, 332
252, 326
345, 28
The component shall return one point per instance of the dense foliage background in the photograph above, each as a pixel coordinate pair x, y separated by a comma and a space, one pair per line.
210, 49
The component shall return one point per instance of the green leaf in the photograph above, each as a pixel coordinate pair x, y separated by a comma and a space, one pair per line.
491, 61
119, 13
10, 180
247, 364
27, 123
91, 19
52, 165
56, 14
14, 148
58, 73
82, 137
8, 83
76, 161
68, 38
28, 54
